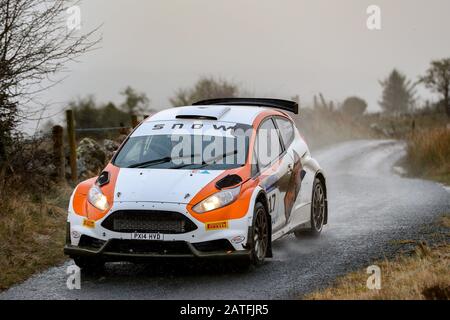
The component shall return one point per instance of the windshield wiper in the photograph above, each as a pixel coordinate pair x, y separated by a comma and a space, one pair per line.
150, 163
205, 163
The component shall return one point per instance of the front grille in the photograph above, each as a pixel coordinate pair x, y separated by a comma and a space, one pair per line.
148, 247
148, 221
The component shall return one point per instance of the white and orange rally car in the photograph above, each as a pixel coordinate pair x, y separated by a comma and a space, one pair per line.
220, 178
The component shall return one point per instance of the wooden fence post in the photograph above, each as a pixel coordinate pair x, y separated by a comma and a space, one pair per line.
58, 153
72, 144
134, 121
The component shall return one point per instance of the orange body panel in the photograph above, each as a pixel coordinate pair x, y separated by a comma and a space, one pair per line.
82, 206
80, 196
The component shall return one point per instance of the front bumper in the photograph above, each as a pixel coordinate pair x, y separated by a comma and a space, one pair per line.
117, 246
106, 253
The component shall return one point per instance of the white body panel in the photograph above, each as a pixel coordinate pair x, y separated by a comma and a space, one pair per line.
161, 185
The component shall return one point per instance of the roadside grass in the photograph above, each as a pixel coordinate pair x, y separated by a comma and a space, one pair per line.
428, 154
32, 234
401, 127
420, 275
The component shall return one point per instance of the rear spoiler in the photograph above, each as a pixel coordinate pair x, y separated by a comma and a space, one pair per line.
285, 105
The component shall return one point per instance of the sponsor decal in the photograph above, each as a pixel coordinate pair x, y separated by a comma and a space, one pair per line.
76, 234
219, 225
88, 223
224, 128
238, 239
270, 182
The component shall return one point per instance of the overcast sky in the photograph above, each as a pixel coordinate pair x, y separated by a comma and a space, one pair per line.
272, 48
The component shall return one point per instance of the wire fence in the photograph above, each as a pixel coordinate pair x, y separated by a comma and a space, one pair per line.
72, 131
101, 129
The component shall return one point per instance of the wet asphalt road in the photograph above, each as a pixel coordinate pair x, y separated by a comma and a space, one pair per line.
370, 207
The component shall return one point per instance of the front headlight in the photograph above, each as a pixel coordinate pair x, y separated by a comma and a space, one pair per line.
217, 200
97, 198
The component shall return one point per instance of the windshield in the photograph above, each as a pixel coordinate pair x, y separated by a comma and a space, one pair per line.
186, 151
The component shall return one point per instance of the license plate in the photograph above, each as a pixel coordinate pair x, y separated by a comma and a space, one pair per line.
147, 236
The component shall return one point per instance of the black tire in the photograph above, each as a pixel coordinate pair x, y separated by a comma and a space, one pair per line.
89, 264
259, 235
318, 211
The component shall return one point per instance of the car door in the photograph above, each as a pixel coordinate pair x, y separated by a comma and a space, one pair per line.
295, 149
275, 169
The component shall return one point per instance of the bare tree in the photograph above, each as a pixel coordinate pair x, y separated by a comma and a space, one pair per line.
437, 78
35, 43
205, 88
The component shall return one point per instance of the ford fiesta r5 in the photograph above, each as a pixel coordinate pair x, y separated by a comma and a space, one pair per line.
220, 179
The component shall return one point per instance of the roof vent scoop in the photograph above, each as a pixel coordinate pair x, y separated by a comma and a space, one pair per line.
202, 113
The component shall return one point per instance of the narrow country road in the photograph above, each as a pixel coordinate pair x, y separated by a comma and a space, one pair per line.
370, 207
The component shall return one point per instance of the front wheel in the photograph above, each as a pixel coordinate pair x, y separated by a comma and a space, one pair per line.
260, 235
318, 210
258, 239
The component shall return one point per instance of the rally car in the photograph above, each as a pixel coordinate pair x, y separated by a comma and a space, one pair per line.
223, 178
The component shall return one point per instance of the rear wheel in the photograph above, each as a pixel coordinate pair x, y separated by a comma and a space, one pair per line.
318, 211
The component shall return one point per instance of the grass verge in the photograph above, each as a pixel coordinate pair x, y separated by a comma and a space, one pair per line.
32, 235
420, 275
428, 154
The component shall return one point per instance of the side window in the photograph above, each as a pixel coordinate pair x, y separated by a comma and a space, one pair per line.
268, 147
254, 167
286, 129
